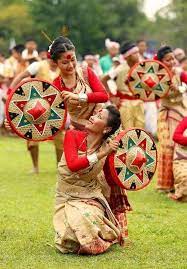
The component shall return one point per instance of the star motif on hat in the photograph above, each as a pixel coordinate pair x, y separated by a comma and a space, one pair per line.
150, 82
148, 93
139, 160
122, 157
20, 104
37, 111
161, 76
140, 74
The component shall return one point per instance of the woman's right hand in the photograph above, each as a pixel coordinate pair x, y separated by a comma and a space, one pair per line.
173, 88
111, 147
108, 148
7, 125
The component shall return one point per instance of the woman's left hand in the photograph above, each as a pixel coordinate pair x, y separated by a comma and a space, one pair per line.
69, 96
7, 125
111, 146
173, 88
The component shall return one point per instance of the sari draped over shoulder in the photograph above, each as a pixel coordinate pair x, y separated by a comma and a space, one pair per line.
83, 220
180, 167
81, 113
171, 113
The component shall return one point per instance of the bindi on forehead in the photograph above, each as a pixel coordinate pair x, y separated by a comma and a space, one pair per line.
169, 55
69, 56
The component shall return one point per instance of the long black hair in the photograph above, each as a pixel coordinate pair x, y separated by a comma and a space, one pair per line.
19, 48
60, 45
163, 51
114, 120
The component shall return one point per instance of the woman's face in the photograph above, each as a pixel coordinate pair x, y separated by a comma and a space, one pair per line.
169, 60
133, 58
67, 62
98, 123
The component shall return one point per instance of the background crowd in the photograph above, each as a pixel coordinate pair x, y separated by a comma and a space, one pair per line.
22, 55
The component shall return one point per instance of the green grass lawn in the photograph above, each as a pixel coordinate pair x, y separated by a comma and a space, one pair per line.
157, 226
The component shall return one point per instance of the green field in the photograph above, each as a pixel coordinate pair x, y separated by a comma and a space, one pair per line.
157, 226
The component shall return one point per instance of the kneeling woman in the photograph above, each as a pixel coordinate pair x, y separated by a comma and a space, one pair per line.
83, 220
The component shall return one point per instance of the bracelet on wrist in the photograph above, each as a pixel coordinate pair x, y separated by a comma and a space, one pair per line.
92, 158
83, 98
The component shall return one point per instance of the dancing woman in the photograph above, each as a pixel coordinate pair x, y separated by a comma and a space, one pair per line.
83, 220
80, 87
172, 111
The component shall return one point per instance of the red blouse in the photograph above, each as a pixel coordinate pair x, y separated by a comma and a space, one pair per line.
184, 77
178, 136
74, 141
99, 94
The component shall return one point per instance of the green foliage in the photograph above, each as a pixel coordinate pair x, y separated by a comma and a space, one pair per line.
89, 22
157, 226
9, 19
179, 8
170, 24
15, 21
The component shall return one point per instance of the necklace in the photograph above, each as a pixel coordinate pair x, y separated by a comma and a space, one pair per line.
63, 85
82, 87
86, 141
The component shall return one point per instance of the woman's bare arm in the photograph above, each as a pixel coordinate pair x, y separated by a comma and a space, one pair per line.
19, 78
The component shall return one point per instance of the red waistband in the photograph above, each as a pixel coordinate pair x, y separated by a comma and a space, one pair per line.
125, 96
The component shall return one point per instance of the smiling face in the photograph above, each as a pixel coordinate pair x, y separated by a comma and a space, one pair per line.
67, 62
98, 123
169, 60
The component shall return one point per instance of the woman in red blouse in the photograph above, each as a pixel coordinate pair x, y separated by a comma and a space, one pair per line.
80, 87
171, 112
180, 162
83, 220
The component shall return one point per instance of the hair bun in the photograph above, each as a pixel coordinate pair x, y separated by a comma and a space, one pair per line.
60, 45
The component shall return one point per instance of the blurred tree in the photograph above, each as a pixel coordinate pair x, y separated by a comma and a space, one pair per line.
178, 11
89, 22
170, 24
15, 22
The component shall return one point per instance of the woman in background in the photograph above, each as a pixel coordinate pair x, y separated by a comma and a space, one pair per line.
180, 162
172, 110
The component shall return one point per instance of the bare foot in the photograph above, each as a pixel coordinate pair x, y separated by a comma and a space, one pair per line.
35, 171
163, 190
174, 197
